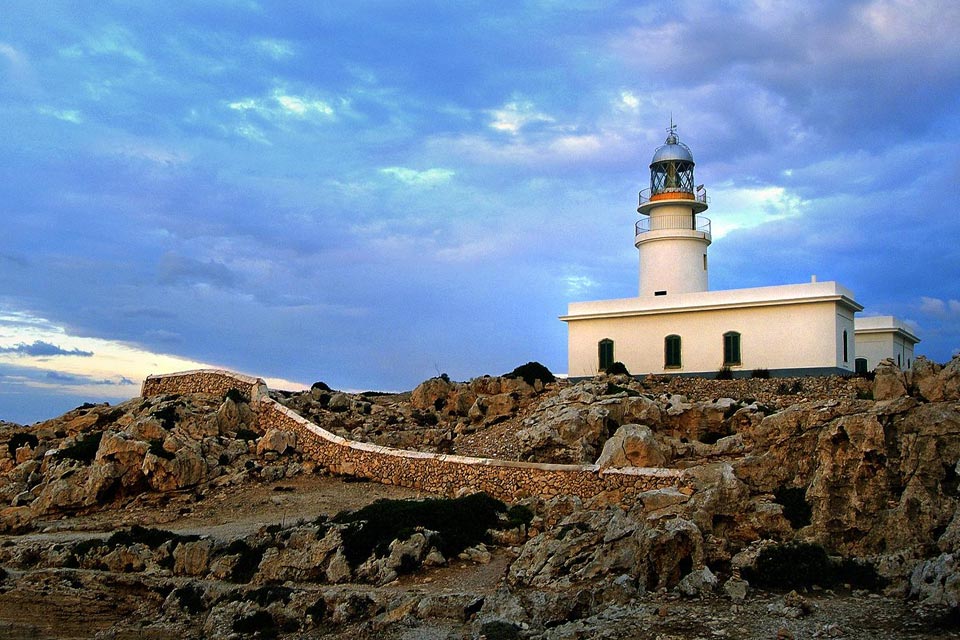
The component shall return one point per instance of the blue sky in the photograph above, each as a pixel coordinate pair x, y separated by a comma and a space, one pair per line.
370, 193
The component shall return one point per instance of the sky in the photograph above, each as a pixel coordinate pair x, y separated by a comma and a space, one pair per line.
373, 193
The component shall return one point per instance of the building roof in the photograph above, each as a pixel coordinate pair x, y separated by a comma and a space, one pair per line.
710, 300
884, 324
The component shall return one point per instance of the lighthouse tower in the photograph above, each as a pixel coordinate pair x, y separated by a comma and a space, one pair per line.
670, 235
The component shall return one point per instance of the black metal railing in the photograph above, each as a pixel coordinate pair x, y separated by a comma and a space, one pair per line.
679, 194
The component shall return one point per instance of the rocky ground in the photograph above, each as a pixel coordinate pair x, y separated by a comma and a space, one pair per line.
824, 508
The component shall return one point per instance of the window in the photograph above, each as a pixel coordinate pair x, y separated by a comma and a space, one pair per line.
659, 293
671, 352
731, 348
845, 358
860, 365
605, 349
704, 260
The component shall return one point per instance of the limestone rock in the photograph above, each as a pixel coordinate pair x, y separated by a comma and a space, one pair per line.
633, 445
277, 440
889, 382
937, 581
192, 558
698, 582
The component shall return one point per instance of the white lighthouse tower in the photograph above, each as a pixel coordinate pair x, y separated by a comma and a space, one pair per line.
671, 237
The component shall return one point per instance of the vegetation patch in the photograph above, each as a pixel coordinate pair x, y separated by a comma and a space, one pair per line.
617, 369
799, 565
531, 372
519, 514
795, 506
237, 396
320, 386
17, 440
499, 630
725, 373
152, 538
791, 389
247, 434
459, 523
190, 599
84, 449
260, 623
265, 596
167, 416
248, 560
760, 374
156, 448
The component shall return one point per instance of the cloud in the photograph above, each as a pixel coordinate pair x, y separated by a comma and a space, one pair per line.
67, 115
428, 177
175, 269
514, 116
40, 348
72, 379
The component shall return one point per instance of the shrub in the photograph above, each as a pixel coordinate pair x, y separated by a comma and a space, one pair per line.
156, 448
237, 396
531, 372
321, 386
791, 389
259, 622
724, 373
801, 564
17, 440
500, 630
317, 611
791, 566
248, 560
84, 449
265, 596
617, 369
167, 416
459, 522
519, 514
864, 394
152, 538
247, 434
760, 374
190, 598
795, 507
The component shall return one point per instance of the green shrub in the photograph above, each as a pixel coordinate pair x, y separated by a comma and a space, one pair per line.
791, 389
156, 448
724, 373
247, 434
84, 449
167, 416
500, 630
265, 596
259, 622
795, 507
459, 522
17, 440
248, 560
152, 538
531, 372
799, 565
237, 396
864, 394
519, 514
617, 369
322, 386
190, 598
760, 374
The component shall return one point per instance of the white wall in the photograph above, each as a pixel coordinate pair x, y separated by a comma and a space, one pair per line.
773, 336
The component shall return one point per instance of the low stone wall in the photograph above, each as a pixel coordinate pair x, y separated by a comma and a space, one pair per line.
436, 473
213, 381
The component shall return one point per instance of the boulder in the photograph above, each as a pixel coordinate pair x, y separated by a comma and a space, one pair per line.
192, 558
277, 440
889, 382
698, 582
431, 394
937, 582
633, 445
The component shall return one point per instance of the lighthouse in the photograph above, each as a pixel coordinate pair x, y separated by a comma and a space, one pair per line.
671, 236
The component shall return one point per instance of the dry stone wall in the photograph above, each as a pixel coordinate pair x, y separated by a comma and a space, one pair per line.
436, 473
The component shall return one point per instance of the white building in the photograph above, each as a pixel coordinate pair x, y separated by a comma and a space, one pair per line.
677, 326
879, 337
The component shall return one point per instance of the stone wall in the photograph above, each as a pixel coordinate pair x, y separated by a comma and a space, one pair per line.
436, 473
213, 381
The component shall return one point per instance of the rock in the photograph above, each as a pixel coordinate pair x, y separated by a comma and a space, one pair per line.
431, 394
937, 582
192, 558
186, 469
340, 402
277, 440
698, 582
632, 445
924, 378
889, 382
126, 453
736, 589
